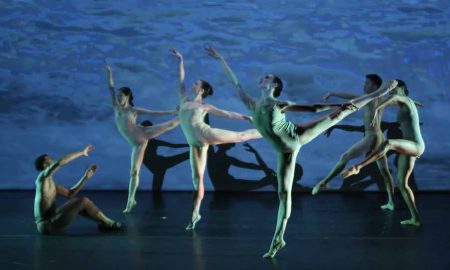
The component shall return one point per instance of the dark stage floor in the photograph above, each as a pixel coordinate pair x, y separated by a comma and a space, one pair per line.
343, 231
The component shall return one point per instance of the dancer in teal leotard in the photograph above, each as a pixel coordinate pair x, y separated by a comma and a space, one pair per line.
286, 137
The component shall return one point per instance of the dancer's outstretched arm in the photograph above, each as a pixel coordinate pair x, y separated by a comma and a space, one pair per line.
339, 95
111, 84
66, 159
73, 191
390, 101
150, 112
182, 87
219, 112
248, 100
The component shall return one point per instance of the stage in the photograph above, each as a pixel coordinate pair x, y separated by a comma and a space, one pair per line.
329, 231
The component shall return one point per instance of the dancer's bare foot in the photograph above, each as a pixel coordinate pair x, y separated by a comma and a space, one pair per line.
411, 222
114, 226
389, 206
191, 225
274, 249
129, 207
319, 186
353, 170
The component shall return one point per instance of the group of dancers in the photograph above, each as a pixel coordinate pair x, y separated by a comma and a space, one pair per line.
269, 119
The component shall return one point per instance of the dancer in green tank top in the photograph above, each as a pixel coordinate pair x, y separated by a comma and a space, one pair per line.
286, 137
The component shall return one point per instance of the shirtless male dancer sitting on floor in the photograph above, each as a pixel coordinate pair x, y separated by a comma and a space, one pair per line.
49, 218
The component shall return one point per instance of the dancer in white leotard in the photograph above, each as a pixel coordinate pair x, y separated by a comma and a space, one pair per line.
286, 137
200, 135
125, 115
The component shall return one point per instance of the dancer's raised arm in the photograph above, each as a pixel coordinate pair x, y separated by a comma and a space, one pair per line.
66, 159
219, 112
248, 100
73, 191
182, 87
390, 101
111, 84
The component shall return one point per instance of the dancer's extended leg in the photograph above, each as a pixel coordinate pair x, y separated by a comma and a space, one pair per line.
198, 155
405, 168
137, 155
220, 136
405, 147
78, 206
358, 149
388, 181
310, 131
285, 175
156, 130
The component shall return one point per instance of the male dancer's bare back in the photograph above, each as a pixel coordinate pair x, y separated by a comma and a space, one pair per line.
50, 218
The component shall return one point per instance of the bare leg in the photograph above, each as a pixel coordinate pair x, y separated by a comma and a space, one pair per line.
77, 206
156, 130
285, 175
220, 136
405, 168
310, 131
401, 146
137, 155
388, 181
355, 151
198, 155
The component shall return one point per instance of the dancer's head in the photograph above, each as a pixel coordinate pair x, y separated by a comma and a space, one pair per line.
271, 83
401, 88
373, 82
202, 87
146, 123
42, 162
125, 96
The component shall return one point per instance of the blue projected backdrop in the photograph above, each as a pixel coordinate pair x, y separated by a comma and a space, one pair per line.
54, 96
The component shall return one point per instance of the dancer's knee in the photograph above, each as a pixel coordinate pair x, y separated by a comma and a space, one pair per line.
85, 201
134, 172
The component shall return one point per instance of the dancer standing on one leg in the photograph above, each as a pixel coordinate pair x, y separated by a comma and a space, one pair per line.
287, 137
373, 137
49, 218
409, 148
200, 135
125, 115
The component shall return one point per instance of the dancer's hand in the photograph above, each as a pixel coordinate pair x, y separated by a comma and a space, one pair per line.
87, 150
176, 53
90, 171
349, 105
107, 67
248, 118
374, 119
212, 52
326, 96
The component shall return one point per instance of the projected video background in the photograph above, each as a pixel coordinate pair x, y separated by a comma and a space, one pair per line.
54, 97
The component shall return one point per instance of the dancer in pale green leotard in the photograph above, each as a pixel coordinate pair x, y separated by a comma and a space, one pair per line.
287, 137
137, 136
410, 147
200, 135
